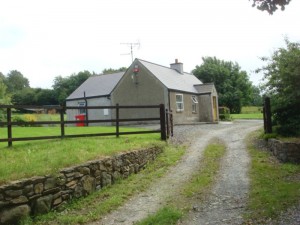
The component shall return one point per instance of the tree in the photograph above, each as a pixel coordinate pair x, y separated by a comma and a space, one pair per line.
64, 86
15, 81
270, 5
4, 98
233, 86
110, 70
282, 82
26, 96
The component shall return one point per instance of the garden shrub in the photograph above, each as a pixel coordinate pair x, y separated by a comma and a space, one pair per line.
224, 113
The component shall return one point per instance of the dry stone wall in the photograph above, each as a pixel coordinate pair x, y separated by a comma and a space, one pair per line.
39, 195
285, 151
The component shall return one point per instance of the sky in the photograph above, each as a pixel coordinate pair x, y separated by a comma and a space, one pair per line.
50, 38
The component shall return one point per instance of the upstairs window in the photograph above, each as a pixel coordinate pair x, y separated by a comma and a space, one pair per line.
194, 104
179, 102
81, 111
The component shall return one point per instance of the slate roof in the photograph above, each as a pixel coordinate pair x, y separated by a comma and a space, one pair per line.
96, 86
171, 78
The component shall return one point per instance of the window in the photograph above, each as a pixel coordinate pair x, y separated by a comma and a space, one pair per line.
179, 102
194, 104
81, 104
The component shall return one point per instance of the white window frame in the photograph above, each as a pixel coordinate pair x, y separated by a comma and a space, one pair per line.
179, 103
81, 111
194, 103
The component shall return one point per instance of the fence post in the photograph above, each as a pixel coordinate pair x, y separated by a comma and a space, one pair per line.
62, 122
9, 127
268, 116
162, 122
167, 120
171, 122
117, 120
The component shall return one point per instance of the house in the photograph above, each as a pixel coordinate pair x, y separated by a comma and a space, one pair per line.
146, 83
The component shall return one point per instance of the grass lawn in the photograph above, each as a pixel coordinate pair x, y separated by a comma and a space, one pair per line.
32, 158
247, 116
249, 112
274, 186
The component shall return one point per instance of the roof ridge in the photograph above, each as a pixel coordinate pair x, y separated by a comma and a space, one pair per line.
186, 73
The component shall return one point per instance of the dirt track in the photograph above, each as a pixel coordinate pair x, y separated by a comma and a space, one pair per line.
229, 195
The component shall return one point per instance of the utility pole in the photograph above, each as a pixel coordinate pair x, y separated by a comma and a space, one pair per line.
131, 45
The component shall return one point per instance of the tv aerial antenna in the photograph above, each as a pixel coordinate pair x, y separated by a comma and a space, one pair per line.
131, 45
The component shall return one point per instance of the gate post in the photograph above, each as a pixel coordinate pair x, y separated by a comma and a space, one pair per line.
268, 116
162, 122
117, 120
168, 123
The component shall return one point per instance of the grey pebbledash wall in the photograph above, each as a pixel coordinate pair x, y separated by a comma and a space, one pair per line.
285, 151
39, 195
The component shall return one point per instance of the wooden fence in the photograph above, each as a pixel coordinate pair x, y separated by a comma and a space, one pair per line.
161, 117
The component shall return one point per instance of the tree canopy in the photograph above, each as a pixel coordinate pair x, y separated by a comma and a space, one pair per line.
282, 84
15, 81
64, 86
270, 5
233, 85
110, 70
4, 96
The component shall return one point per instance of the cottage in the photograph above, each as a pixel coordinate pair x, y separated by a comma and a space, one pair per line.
146, 83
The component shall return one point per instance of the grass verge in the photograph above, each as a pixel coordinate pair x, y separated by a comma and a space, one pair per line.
27, 159
198, 187
274, 186
96, 205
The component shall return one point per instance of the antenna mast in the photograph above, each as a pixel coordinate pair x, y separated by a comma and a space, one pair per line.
131, 45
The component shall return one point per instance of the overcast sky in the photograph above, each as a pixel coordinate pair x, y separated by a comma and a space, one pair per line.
45, 39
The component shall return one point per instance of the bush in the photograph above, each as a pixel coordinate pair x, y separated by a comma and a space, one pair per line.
224, 113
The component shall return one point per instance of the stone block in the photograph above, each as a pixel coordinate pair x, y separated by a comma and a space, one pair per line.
88, 184
38, 188
43, 205
50, 183
19, 200
84, 170
14, 215
72, 184
28, 189
57, 201
106, 179
13, 193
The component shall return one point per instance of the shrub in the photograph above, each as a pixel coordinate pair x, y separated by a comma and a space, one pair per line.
224, 113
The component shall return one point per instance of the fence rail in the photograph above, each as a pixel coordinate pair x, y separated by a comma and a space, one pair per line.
161, 117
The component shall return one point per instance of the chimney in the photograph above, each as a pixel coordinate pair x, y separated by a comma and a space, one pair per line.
177, 66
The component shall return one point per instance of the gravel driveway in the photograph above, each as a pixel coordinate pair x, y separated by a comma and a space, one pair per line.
228, 197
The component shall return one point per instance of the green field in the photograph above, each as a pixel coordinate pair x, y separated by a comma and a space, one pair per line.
249, 112
26, 159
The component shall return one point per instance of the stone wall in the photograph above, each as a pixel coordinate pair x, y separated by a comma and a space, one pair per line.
285, 151
39, 195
